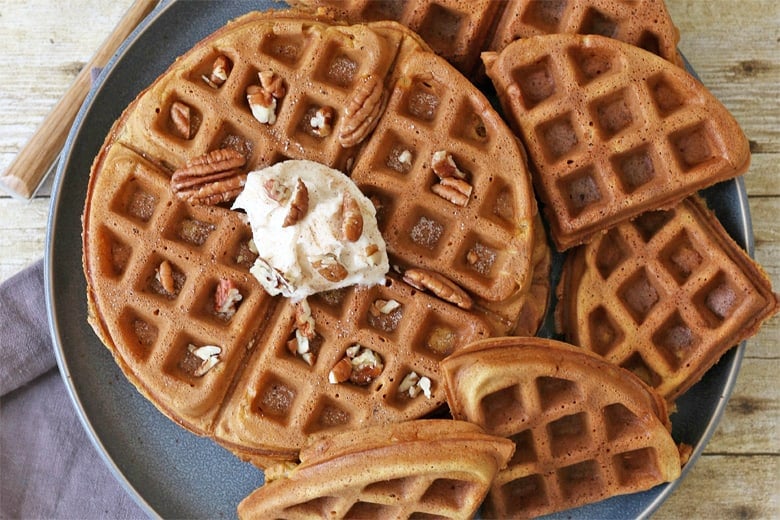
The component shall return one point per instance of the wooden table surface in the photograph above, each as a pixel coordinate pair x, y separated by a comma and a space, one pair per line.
734, 47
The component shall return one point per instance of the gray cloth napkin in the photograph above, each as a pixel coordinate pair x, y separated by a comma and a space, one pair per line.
48, 466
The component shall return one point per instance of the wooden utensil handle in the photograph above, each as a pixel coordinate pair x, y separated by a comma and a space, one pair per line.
27, 170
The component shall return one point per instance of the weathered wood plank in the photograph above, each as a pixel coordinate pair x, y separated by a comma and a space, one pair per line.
734, 48
721, 487
22, 233
749, 424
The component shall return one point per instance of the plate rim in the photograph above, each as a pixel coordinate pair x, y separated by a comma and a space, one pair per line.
663, 491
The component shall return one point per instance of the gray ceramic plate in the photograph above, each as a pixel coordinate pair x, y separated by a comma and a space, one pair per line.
170, 472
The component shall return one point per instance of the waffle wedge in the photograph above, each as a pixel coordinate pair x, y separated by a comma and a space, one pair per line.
402, 471
584, 429
459, 30
611, 130
169, 287
664, 296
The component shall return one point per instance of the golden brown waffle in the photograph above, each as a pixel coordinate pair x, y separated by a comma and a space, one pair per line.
664, 296
611, 130
156, 264
584, 429
459, 30
402, 471
643, 23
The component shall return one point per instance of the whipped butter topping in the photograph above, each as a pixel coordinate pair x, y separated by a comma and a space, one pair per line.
311, 254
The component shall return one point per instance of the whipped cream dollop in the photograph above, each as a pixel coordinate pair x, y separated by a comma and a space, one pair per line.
313, 229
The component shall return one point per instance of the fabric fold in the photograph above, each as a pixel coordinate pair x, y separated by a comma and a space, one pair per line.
25, 344
48, 466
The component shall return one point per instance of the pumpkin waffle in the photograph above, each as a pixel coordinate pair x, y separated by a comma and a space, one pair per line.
459, 30
664, 296
611, 130
168, 279
405, 470
584, 429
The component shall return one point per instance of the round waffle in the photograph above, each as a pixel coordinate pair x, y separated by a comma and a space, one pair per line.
167, 263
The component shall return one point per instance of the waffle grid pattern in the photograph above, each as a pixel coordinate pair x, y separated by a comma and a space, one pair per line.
645, 24
319, 68
427, 114
683, 295
612, 132
403, 497
260, 399
560, 460
143, 227
456, 30
459, 30
583, 429
277, 405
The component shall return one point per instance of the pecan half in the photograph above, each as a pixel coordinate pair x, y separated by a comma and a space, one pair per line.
363, 111
330, 268
211, 178
351, 218
181, 116
299, 205
439, 285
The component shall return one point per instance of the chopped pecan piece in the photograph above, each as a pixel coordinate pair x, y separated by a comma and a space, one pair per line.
413, 384
226, 298
165, 277
181, 118
207, 354
360, 366
439, 285
304, 321
340, 371
272, 83
263, 98
443, 165
220, 71
211, 178
351, 218
330, 268
454, 190
322, 121
366, 365
277, 191
363, 111
374, 254
380, 306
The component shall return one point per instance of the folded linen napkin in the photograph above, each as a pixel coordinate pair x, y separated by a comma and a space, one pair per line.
48, 466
